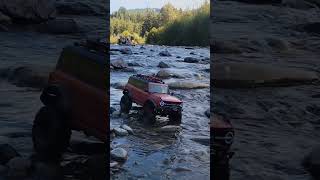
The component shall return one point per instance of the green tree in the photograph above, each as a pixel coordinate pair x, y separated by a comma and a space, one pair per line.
168, 13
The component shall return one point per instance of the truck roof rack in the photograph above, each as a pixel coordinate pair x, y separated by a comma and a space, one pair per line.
149, 78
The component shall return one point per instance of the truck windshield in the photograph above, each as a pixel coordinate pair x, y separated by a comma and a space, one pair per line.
158, 88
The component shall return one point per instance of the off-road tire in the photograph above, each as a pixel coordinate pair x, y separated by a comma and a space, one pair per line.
175, 118
149, 114
125, 104
50, 133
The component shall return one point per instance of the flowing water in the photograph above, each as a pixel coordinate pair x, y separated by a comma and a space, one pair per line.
154, 155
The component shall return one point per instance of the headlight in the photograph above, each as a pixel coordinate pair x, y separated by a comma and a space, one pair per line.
161, 103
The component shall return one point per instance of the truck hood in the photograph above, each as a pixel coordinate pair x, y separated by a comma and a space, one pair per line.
168, 98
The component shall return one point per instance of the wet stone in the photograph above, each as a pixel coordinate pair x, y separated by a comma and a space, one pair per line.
120, 132
163, 65
126, 51
165, 53
191, 60
170, 128
127, 128
119, 154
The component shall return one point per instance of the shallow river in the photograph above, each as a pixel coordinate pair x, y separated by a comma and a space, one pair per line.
154, 155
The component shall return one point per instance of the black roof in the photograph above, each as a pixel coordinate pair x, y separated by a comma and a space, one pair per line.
147, 78
89, 53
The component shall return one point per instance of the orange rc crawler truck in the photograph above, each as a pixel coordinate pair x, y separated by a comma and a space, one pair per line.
74, 99
153, 95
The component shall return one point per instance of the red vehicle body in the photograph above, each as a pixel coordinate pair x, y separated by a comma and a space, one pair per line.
222, 135
153, 94
75, 98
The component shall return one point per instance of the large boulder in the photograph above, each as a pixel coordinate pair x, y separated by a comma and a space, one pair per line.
166, 74
233, 75
28, 11
59, 26
163, 65
191, 60
165, 53
119, 154
119, 64
24, 77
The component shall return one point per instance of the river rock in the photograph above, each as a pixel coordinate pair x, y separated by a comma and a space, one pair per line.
170, 128
115, 114
231, 75
119, 154
127, 51
80, 8
119, 85
204, 141
207, 113
163, 65
114, 164
134, 64
119, 64
191, 60
198, 76
112, 109
7, 152
165, 53
59, 26
187, 85
127, 128
312, 162
166, 74
24, 77
278, 45
18, 167
29, 11
120, 132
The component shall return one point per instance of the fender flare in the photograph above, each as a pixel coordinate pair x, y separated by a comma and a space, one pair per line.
151, 102
56, 96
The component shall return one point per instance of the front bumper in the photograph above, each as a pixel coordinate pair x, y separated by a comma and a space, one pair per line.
169, 109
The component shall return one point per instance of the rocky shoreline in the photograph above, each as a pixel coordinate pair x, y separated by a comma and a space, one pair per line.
264, 49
